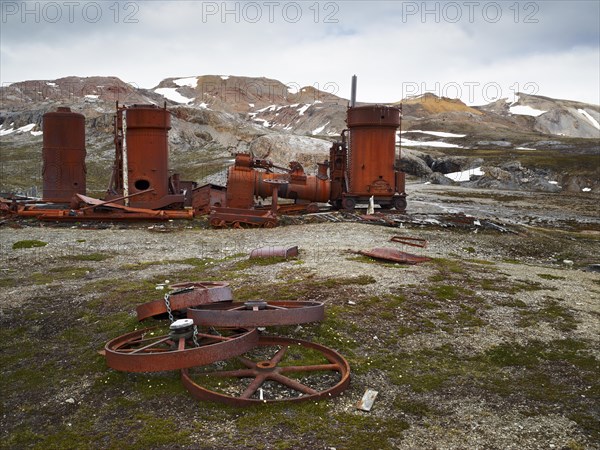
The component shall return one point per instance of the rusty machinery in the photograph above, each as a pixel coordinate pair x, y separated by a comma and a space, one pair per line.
141, 186
362, 165
219, 341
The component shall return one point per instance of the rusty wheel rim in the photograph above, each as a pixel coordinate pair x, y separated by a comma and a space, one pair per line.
147, 350
202, 292
257, 313
273, 379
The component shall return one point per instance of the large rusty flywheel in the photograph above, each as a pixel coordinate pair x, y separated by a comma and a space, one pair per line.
278, 369
147, 350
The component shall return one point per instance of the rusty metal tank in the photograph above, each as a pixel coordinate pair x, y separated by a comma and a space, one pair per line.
63, 155
372, 150
147, 152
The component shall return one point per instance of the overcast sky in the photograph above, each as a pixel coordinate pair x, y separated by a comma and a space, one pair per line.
475, 50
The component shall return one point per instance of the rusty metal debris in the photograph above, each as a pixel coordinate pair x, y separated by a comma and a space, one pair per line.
257, 313
147, 351
273, 375
276, 251
186, 295
393, 255
412, 241
240, 218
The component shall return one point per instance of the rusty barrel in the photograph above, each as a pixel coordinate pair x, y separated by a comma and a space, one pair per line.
372, 149
63, 155
147, 151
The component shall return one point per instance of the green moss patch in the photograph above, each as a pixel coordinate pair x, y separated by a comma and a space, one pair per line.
28, 244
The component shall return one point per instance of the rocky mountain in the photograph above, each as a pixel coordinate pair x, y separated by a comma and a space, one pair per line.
215, 116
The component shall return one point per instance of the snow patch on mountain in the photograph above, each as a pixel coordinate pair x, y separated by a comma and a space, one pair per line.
320, 129
173, 95
524, 110
436, 133
589, 117
190, 81
465, 175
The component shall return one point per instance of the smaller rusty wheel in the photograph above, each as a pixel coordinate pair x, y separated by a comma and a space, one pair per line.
277, 370
399, 203
348, 203
148, 350
186, 295
257, 313
270, 224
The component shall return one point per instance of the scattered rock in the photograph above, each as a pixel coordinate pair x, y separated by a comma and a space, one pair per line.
439, 178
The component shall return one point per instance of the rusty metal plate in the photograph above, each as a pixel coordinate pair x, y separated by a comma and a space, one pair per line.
393, 255
274, 373
141, 351
276, 251
200, 293
257, 314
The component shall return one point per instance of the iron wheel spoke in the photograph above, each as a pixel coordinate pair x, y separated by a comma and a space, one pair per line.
314, 368
137, 350
253, 387
279, 355
296, 385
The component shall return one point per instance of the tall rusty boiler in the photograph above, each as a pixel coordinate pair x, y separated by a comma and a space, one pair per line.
147, 128
63, 154
371, 157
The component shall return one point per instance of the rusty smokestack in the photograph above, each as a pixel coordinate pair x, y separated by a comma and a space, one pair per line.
353, 93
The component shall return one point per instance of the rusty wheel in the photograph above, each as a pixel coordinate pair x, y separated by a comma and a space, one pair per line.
399, 203
148, 350
270, 224
348, 203
186, 295
257, 313
278, 369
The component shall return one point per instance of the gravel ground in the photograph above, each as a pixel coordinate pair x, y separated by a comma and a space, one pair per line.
522, 287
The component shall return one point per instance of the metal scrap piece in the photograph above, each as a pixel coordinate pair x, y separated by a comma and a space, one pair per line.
366, 402
276, 251
393, 255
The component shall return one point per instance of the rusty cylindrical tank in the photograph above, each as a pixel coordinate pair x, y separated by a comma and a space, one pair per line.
147, 152
63, 155
372, 150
